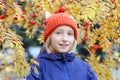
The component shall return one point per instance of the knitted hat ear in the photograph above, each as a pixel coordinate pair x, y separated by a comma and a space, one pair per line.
47, 15
73, 18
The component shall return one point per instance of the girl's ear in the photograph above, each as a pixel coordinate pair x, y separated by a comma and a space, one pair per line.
47, 14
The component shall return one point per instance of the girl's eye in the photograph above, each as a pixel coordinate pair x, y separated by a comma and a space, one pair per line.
58, 32
70, 34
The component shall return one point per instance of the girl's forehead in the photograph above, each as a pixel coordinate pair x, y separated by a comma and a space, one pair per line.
64, 27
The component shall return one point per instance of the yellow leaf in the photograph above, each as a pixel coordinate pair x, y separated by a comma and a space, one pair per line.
11, 0
11, 45
34, 62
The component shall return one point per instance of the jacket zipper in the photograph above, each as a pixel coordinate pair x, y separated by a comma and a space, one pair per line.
66, 74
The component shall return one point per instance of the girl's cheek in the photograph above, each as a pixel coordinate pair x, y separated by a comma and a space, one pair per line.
55, 38
71, 38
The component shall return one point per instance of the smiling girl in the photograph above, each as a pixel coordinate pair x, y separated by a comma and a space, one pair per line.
57, 59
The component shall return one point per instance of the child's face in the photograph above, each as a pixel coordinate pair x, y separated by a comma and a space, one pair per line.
62, 39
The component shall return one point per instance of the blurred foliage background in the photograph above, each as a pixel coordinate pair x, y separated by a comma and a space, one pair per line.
21, 26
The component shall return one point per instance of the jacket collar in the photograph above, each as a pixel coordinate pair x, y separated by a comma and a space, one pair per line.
57, 56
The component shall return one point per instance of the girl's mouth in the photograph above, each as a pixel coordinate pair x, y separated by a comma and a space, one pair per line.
63, 45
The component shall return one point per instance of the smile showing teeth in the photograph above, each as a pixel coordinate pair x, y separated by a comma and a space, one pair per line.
63, 45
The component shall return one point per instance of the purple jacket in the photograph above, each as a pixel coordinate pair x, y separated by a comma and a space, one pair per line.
60, 67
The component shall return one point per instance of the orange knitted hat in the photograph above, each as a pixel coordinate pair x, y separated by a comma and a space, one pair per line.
55, 20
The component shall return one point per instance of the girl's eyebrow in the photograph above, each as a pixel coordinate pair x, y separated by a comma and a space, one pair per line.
70, 30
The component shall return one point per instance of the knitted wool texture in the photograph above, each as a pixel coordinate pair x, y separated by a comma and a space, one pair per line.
56, 20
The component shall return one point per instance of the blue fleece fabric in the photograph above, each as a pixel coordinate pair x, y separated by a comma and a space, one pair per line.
60, 67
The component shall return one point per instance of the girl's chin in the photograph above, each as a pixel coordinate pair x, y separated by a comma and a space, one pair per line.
63, 51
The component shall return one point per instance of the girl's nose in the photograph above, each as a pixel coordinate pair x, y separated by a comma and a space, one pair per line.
65, 38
